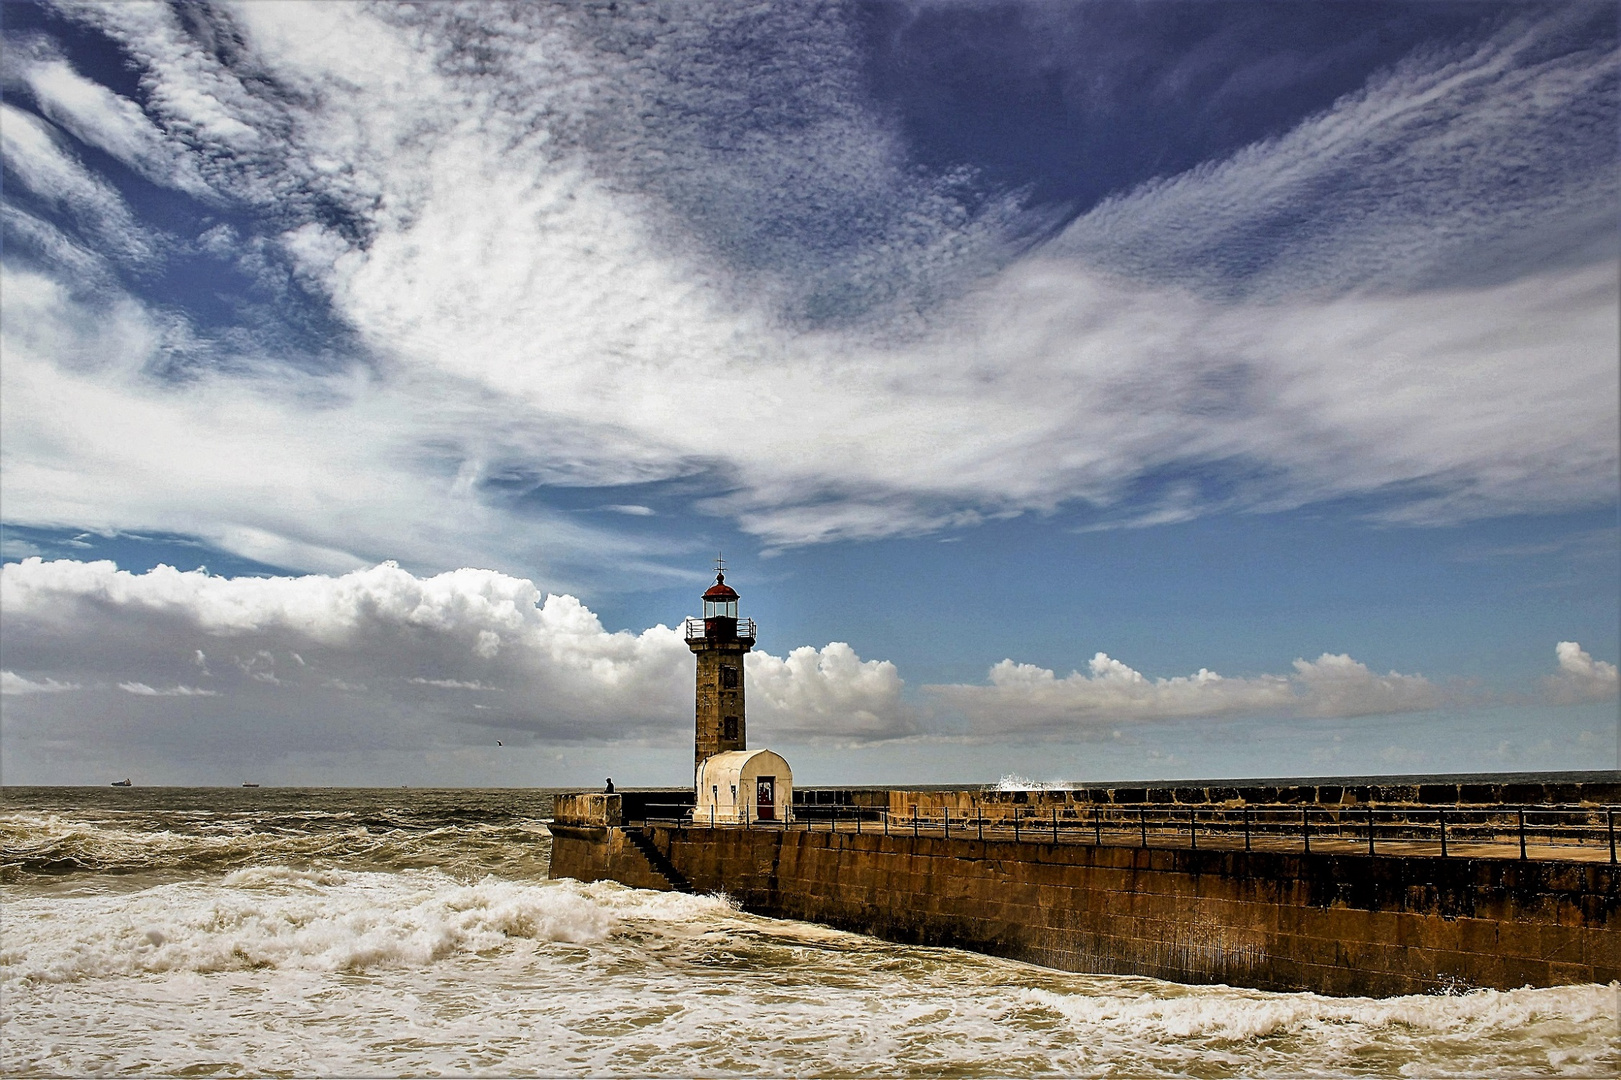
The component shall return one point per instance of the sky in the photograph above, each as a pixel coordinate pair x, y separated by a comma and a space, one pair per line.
1076, 392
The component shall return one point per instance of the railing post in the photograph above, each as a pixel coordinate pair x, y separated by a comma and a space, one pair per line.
1097, 825
914, 822
1522, 832
858, 823
1055, 824
1305, 828
1142, 822
945, 819
1193, 829
1609, 814
980, 817
1246, 828
1015, 825
1370, 830
1441, 813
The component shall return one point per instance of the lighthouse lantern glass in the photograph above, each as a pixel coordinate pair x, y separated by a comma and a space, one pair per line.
720, 609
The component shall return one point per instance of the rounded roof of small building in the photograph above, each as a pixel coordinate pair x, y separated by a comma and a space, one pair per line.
736, 761
720, 590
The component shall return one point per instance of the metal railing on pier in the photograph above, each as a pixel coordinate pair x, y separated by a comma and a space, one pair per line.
1585, 833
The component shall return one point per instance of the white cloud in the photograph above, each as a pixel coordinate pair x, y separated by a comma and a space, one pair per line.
98, 117
140, 689
14, 548
453, 684
12, 683
310, 472
301, 648
578, 322
1580, 677
831, 692
35, 157
1024, 698
1453, 164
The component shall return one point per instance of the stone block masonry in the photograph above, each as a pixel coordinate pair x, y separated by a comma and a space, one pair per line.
1329, 922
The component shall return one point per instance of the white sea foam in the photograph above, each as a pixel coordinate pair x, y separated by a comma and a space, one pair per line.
331, 971
1234, 1015
328, 920
385, 948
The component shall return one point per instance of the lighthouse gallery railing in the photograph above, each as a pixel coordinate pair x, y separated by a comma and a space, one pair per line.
693, 628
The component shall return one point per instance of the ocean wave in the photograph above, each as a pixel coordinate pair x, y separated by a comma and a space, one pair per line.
1238, 1015
280, 917
45, 844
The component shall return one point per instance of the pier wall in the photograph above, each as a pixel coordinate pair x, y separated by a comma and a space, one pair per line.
1332, 923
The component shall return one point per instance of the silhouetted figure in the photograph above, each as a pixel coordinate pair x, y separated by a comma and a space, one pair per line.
610, 788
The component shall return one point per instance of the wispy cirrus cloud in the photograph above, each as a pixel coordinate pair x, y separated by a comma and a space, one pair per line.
1460, 166
623, 270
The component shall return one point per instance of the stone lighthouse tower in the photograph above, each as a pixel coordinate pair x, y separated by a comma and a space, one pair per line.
720, 639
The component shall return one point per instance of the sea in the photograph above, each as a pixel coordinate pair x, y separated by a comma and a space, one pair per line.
342, 932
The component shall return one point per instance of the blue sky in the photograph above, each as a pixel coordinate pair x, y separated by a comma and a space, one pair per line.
1030, 364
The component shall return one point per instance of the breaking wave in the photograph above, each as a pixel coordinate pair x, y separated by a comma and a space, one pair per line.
371, 933
275, 917
1015, 782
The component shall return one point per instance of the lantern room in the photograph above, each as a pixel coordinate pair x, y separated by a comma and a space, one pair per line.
720, 601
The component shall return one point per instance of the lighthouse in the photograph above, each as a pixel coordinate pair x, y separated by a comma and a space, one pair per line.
734, 785
720, 639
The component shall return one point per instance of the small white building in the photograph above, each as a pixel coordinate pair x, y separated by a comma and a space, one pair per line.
744, 786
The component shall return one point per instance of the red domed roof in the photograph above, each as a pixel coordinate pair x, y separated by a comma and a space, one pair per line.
720, 590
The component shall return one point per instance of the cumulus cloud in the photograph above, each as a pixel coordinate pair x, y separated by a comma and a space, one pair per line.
629, 263
191, 665
381, 654
1027, 700
1024, 698
1580, 677
828, 692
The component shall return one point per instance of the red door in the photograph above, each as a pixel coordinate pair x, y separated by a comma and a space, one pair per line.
765, 788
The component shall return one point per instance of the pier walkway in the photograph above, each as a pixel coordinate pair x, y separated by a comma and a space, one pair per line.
1539, 833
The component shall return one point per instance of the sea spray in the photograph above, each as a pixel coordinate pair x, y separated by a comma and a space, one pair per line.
1015, 782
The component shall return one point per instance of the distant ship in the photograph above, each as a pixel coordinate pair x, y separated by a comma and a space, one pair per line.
246, 783
123, 783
